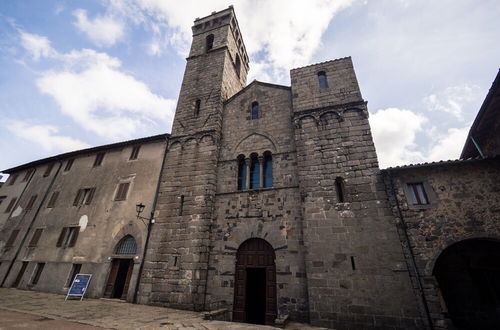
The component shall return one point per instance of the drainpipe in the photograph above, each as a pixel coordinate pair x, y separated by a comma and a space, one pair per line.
477, 147
32, 220
150, 224
412, 255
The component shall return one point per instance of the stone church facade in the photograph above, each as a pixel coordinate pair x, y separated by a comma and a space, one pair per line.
268, 203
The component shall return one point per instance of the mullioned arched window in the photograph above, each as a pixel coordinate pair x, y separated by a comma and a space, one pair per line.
254, 172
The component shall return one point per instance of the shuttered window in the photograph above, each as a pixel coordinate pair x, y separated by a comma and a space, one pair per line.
53, 199
36, 237
12, 238
13, 179
11, 205
84, 196
121, 193
75, 269
38, 272
135, 152
98, 159
28, 175
69, 164
31, 202
68, 237
48, 170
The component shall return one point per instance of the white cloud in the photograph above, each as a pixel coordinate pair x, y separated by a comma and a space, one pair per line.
46, 136
453, 99
286, 40
448, 145
103, 31
38, 46
90, 88
394, 132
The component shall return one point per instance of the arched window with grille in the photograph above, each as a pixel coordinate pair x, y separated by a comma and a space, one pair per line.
242, 173
126, 245
209, 42
268, 169
255, 110
323, 82
254, 172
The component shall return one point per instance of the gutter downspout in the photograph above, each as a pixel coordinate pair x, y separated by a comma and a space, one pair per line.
32, 220
150, 223
412, 255
477, 147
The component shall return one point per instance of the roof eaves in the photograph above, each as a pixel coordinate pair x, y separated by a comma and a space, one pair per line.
85, 151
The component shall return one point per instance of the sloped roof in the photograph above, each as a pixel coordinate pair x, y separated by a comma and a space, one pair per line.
85, 151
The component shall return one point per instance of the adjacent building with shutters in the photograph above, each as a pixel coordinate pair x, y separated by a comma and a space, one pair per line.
75, 213
268, 204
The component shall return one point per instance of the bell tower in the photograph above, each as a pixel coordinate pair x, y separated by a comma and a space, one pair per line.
175, 268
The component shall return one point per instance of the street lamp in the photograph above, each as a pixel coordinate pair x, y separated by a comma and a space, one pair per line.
139, 208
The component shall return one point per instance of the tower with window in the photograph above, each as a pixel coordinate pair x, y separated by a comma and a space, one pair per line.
216, 69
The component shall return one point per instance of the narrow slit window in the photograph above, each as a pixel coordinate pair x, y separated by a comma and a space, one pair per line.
268, 170
209, 42
418, 196
197, 107
237, 65
323, 82
254, 172
255, 110
340, 190
242, 173
181, 205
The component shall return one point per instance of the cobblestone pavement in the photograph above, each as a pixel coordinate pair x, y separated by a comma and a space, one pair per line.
114, 314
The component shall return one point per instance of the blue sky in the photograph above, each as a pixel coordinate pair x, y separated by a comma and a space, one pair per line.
76, 74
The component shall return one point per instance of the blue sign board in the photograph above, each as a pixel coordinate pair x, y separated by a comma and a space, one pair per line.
79, 286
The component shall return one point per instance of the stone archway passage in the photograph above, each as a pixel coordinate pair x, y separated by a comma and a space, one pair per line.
255, 283
468, 274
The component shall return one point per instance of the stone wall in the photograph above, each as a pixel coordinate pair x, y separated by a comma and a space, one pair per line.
463, 205
175, 273
356, 269
274, 213
103, 223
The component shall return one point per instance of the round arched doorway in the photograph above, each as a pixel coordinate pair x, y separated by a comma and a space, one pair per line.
121, 269
468, 274
255, 283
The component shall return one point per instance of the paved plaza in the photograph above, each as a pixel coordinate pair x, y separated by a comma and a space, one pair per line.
28, 309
